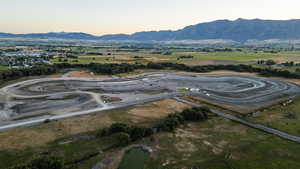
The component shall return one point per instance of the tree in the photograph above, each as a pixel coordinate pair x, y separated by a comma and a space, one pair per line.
195, 114
270, 62
122, 139
171, 122
51, 162
139, 132
119, 127
103, 132
47, 162
21, 166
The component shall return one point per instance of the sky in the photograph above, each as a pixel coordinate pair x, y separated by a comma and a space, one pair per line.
100, 17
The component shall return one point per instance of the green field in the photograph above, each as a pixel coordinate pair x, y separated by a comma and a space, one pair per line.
223, 144
3, 68
285, 118
198, 57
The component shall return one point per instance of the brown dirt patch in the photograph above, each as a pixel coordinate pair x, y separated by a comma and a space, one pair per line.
233, 108
155, 59
222, 72
158, 109
40, 135
296, 81
55, 76
108, 99
207, 62
87, 75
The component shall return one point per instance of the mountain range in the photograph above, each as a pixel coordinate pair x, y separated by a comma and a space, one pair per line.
239, 30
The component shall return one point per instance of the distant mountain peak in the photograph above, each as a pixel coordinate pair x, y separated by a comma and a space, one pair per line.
239, 30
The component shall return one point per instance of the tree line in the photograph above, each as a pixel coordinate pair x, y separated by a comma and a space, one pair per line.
45, 162
111, 69
125, 134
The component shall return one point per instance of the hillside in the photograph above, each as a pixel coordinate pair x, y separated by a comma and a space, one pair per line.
239, 30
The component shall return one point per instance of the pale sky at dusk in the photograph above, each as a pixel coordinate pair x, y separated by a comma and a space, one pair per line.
127, 16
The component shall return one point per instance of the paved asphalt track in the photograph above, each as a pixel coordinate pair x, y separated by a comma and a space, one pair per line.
68, 97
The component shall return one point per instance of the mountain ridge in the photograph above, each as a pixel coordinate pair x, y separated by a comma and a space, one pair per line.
239, 30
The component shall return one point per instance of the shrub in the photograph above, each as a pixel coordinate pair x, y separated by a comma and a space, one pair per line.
51, 162
122, 139
42, 163
118, 127
195, 114
171, 122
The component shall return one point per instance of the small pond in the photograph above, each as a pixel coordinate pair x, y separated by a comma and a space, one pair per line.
134, 158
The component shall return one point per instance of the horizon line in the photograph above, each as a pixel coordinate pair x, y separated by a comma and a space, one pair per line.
99, 35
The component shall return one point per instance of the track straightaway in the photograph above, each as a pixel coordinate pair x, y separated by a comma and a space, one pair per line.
33, 101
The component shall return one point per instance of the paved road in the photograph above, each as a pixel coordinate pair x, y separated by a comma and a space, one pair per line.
216, 88
254, 125
108, 106
155, 98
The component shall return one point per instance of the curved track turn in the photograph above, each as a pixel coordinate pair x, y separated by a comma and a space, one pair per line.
33, 101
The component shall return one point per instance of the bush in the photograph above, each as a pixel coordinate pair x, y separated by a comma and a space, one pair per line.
42, 163
171, 122
103, 132
122, 139
46, 163
139, 132
134, 132
47, 121
195, 114
22, 166
118, 127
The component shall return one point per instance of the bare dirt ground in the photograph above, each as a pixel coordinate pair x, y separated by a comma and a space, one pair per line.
27, 137
55, 76
207, 62
158, 109
87, 75
202, 100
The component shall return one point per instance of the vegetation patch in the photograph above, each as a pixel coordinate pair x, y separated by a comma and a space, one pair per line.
134, 159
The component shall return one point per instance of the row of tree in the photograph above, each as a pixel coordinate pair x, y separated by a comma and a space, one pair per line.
112, 69
46, 162
172, 121
13, 74
125, 134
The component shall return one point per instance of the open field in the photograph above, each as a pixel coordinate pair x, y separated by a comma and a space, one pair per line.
199, 58
221, 144
284, 116
3, 68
